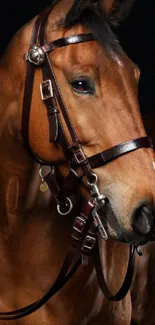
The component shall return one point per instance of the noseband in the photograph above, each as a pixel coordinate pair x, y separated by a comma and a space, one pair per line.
88, 222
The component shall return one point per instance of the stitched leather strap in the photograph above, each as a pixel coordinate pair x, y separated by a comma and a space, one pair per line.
29, 81
91, 242
108, 155
67, 187
127, 281
61, 280
51, 105
79, 228
75, 39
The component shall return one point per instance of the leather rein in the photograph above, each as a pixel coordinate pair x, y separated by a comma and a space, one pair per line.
84, 236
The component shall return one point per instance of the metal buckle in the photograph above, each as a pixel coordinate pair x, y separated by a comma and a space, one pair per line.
79, 156
36, 55
79, 224
77, 230
88, 244
87, 247
46, 89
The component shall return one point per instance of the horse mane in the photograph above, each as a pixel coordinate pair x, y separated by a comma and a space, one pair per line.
92, 15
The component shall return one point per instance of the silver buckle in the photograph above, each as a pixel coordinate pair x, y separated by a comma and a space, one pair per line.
79, 156
79, 224
88, 243
46, 89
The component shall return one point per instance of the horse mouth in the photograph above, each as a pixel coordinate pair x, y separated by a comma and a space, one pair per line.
117, 231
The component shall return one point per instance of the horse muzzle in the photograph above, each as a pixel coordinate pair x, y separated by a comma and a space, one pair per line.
143, 219
142, 225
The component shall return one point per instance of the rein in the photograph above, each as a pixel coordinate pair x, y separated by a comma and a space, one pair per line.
84, 236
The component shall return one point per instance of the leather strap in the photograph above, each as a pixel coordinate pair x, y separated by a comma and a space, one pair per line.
101, 280
59, 283
108, 155
79, 228
70, 183
51, 105
69, 40
61, 191
48, 74
91, 243
28, 90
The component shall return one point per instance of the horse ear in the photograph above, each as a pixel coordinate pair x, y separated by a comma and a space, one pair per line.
117, 9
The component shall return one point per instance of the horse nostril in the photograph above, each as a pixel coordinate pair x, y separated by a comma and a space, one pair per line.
142, 220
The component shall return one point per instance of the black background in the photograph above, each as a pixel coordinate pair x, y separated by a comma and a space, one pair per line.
136, 34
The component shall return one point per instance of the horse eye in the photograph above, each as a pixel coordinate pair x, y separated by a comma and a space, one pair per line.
83, 86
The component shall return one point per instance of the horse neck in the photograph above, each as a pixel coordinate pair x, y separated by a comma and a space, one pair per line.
15, 173
19, 189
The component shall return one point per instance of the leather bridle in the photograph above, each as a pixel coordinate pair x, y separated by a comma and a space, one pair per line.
84, 238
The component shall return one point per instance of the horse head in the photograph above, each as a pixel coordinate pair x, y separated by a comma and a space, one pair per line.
98, 84
69, 100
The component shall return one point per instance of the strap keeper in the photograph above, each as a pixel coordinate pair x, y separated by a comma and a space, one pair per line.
88, 245
46, 90
52, 111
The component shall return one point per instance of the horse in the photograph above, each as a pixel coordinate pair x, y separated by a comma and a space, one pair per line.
77, 169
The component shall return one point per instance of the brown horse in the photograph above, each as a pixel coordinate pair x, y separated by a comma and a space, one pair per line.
99, 86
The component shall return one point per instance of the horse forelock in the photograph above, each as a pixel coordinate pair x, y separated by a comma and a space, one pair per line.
93, 16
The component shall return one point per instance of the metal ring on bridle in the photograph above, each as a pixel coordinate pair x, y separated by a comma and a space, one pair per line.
68, 205
94, 180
